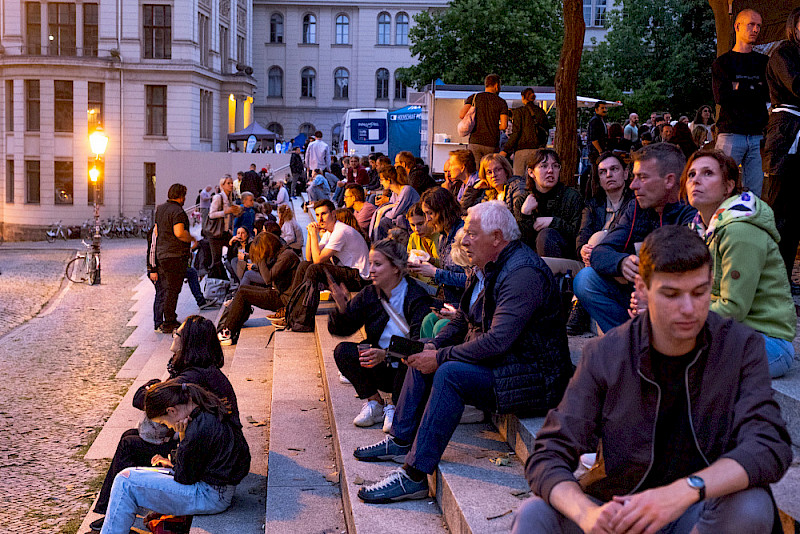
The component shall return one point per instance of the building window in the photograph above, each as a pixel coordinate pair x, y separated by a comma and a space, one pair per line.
224, 47
309, 29
101, 180
149, 184
91, 23
401, 29
157, 31
275, 128
276, 28
275, 82
10, 181
400, 90
9, 105
308, 129
96, 96
156, 115
206, 114
32, 183
594, 12
204, 38
61, 25
382, 84
62, 177
241, 50
63, 106
32, 106
341, 80
342, 29
384, 29
308, 82
33, 27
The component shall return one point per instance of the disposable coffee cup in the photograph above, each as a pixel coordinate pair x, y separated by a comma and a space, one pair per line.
637, 247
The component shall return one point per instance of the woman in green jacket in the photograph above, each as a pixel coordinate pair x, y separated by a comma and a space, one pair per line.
749, 280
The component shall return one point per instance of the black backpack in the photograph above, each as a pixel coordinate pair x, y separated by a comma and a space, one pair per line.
301, 310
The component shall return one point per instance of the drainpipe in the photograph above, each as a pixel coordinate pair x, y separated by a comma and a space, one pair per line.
121, 109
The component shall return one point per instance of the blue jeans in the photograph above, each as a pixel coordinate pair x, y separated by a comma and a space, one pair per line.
746, 150
194, 285
156, 490
780, 355
430, 408
604, 299
746, 512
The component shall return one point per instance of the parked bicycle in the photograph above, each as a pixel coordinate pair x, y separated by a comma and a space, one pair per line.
84, 266
56, 230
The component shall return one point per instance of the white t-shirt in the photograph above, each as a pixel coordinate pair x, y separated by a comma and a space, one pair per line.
348, 246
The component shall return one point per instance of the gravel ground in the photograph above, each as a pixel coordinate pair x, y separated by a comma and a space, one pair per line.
57, 383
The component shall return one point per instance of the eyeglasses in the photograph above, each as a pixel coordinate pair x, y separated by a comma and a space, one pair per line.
553, 166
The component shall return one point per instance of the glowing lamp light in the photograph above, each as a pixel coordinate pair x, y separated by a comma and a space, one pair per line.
98, 140
94, 174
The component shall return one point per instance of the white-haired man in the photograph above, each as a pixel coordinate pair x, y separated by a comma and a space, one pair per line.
505, 350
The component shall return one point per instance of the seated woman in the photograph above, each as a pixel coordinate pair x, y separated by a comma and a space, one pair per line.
601, 214
496, 172
748, 276
551, 215
394, 304
403, 197
276, 265
291, 233
236, 257
197, 359
443, 215
212, 458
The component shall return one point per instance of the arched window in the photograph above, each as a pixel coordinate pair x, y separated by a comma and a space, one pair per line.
400, 91
275, 127
382, 83
308, 129
384, 29
275, 85
401, 29
308, 82
341, 81
276, 28
309, 29
342, 29
336, 136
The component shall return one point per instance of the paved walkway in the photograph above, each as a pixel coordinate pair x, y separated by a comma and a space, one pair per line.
57, 383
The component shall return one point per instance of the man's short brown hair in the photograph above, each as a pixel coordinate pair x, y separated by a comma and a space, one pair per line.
407, 158
491, 80
672, 249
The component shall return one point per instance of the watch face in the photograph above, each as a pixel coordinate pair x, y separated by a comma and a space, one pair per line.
696, 482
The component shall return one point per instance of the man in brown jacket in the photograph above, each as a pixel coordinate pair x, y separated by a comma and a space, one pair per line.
681, 401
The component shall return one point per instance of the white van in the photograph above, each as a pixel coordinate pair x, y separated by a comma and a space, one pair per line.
365, 131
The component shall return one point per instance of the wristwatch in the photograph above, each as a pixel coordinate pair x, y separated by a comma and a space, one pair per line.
695, 482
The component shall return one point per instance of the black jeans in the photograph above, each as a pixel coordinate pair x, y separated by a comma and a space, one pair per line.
780, 192
158, 302
368, 381
246, 296
171, 272
132, 451
316, 272
217, 269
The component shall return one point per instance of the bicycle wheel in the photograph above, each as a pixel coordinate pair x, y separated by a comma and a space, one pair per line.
77, 270
49, 236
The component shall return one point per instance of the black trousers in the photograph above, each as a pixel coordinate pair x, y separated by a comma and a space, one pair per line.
780, 192
550, 243
368, 381
217, 269
132, 451
316, 272
171, 272
246, 296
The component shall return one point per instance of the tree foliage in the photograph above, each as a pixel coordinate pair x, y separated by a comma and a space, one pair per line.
656, 57
517, 39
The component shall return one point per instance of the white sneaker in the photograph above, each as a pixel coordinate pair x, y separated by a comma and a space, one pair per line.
388, 417
371, 413
343, 379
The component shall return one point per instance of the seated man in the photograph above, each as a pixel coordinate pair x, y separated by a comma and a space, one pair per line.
605, 288
681, 401
505, 350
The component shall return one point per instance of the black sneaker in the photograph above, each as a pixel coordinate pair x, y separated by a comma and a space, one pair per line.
578, 322
386, 450
97, 524
398, 486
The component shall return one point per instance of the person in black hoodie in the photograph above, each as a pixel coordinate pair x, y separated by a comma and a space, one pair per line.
202, 474
198, 359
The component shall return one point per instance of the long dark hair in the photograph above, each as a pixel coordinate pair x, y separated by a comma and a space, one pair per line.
791, 26
265, 247
172, 393
698, 117
444, 204
199, 346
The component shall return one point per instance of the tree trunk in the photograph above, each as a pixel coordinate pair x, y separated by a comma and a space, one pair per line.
722, 21
566, 140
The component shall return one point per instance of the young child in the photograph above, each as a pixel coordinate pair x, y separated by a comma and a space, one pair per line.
421, 240
247, 217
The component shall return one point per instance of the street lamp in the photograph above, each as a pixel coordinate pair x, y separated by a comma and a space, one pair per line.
98, 141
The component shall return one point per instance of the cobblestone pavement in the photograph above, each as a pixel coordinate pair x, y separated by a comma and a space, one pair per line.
57, 383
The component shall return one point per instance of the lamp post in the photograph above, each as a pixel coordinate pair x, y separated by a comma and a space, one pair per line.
98, 141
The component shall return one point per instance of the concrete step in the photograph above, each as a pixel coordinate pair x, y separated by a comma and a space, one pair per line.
410, 516
787, 394
303, 486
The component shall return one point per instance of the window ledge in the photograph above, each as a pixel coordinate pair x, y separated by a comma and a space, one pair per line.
155, 137
391, 45
274, 98
270, 43
308, 98
341, 45
341, 98
308, 44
